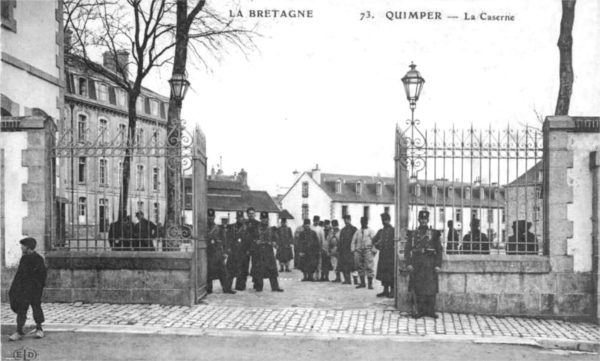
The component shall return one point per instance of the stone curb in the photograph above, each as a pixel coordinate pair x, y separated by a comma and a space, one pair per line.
547, 343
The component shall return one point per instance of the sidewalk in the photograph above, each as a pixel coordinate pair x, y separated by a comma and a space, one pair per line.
317, 310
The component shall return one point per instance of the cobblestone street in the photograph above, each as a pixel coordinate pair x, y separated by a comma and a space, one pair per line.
305, 308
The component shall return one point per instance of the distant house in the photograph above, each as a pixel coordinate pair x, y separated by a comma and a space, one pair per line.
525, 198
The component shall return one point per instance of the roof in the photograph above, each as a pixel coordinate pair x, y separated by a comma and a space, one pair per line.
284, 214
240, 201
355, 178
531, 177
367, 195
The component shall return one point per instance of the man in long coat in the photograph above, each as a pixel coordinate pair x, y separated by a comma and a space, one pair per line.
284, 246
144, 231
308, 251
333, 240
321, 236
346, 258
453, 244
384, 242
423, 254
215, 256
250, 237
263, 257
235, 235
475, 242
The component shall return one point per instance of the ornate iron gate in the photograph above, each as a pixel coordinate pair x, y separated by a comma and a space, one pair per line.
483, 188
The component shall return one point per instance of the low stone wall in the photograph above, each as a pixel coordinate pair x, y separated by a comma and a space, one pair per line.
120, 277
507, 286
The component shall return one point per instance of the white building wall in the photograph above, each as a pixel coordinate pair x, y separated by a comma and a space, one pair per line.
318, 201
580, 211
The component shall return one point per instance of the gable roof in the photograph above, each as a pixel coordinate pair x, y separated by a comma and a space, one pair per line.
531, 177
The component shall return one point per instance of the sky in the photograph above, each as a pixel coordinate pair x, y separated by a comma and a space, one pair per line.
327, 90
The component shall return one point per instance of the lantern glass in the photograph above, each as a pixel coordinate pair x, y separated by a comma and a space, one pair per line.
413, 85
179, 86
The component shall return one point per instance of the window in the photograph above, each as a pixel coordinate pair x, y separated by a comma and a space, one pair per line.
82, 209
103, 171
481, 193
434, 190
139, 137
386, 210
537, 213
121, 98
155, 179
417, 190
459, 215
103, 92
467, 194
120, 173
379, 188
8, 18
304, 189
503, 216
156, 212
103, 215
155, 138
450, 192
344, 211
82, 162
139, 104
139, 178
103, 130
490, 216
538, 193
154, 107
366, 212
81, 128
338, 186
83, 87
122, 133
305, 211
496, 194
442, 214
358, 188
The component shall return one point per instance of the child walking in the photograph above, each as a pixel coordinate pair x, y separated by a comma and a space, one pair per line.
26, 289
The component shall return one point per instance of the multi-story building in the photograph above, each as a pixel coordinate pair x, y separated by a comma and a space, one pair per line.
525, 199
96, 118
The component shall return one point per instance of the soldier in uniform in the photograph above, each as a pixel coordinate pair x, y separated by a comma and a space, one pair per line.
384, 242
453, 245
333, 240
362, 248
308, 251
423, 254
325, 256
235, 235
250, 236
346, 257
321, 236
263, 257
215, 255
522, 241
475, 242
144, 232
284, 247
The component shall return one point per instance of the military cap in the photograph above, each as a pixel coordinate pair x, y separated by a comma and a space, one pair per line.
307, 222
239, 214
250, 209
385, 217
316, 218
326, 222
29, 242
475, 222
321, 224
347, 216
335, 223
211, 212
364, 219
424, 214
264, 215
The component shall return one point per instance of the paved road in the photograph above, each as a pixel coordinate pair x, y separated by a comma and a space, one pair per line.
110, 346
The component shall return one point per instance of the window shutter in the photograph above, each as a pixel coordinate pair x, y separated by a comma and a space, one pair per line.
69, 81
147, 105
92, 89
162, 110
112, 97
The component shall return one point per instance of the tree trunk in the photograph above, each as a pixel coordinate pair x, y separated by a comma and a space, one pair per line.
565, 47
129, 144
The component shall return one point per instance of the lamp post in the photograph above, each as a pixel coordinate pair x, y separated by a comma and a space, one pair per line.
413, 85
179, 87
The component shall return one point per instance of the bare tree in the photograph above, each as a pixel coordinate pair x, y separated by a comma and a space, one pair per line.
155, 33
565, 46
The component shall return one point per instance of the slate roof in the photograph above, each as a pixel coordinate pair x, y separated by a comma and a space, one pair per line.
531, 177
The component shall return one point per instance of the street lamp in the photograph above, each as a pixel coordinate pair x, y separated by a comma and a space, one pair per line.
413, 85
179, 86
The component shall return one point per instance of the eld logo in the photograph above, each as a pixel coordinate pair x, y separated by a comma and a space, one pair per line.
25, 354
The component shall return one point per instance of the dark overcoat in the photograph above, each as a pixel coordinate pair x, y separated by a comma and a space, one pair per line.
263, 256
284, 246
476, 242
308, 245
214, 253
346, 257
384, 242
423, 251
29, 282
235, 240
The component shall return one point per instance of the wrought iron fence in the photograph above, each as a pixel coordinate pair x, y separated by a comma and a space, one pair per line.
482, 187
90, 162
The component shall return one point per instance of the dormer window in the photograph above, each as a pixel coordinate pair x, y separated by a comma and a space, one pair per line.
83, 87
450, 192
121, 98
417, 190
481, 193
154, 107
139, 105
434, 192
358, 188
338, 186
379, 188
467, 193
103, 92
496, 194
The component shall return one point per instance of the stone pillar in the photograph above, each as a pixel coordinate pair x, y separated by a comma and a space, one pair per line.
595, 169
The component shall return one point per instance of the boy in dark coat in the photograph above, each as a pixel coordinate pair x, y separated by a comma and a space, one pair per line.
384, 242
27, 288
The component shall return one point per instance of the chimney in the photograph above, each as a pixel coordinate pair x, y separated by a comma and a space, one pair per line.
244, 178
111, 63
316, 174
212, 173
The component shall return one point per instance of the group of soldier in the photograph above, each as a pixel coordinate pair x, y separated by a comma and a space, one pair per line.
124, 235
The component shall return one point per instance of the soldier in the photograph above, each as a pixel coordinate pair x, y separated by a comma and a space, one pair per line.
362, 248
215, 256
250, 236
284, 247
453, 245
522, 241
325, 256
144, 232
321, 236
333, 240
297, 232
346, 257
119, 235
423, 254
263, 258
308, 251
234, 235
384, 242
475, 242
